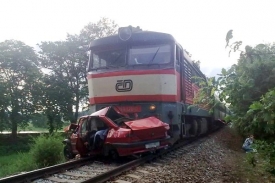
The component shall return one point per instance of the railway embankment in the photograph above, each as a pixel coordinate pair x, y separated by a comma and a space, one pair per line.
218, 158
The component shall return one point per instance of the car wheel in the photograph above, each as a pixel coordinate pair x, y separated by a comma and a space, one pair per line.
113, 154
68, 153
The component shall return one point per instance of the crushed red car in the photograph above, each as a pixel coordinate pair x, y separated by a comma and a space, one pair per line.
112, 133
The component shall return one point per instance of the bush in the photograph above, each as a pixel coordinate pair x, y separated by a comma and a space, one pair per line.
47, 150
267, 151
251, 159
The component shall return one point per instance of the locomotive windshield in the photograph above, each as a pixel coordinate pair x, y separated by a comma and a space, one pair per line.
135, 55
108, 58
157, 54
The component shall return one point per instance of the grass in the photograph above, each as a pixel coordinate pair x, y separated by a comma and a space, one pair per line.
14, 157
19, 156
7, 146
16, 163
241, 163
253, 174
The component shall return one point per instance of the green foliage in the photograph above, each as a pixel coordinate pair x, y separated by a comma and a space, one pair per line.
47, 150
263, 113
104, 27
9, 147
249, 88
245, 83
206, 96
4, 119
25, 90
39, 120
16, 163
58, 88
14, 148
228, 37
14, 156
251, 159
235, 46
18, 76
267, 152
66, 86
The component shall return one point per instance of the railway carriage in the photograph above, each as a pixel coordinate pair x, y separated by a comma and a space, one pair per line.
145, 73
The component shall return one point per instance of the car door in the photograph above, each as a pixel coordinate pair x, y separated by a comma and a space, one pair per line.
81, 134
73, 128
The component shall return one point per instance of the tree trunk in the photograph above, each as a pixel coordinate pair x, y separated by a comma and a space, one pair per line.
50, 123
14, 130
77, 96
14, 119
76, 106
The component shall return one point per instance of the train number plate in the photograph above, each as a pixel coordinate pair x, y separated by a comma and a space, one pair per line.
152, 145
129, 109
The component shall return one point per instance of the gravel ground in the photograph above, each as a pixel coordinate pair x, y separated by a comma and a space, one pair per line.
205, 162
215, 159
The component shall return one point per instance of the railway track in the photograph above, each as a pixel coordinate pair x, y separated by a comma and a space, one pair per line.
84, 171
88, 170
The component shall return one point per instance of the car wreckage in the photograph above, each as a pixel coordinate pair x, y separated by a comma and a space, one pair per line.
123, 136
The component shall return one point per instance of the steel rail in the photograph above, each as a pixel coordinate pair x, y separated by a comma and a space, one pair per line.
117, 171
39, 173
135, 163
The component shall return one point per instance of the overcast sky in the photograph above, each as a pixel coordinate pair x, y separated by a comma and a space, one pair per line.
200, 26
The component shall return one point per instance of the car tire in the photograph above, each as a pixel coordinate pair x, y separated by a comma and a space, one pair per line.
113, 154
68, 152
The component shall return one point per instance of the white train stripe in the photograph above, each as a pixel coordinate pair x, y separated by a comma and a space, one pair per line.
151, 84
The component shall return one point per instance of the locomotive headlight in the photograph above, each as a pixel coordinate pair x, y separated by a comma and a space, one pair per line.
152, 107
125, 33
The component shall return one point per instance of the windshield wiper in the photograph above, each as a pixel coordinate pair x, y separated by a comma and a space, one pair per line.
117, 58
154, 56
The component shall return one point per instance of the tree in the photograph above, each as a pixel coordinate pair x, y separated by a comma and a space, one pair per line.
18, 73
245, 86
206, 97
39, 120
67, 61
104, 27
57, 101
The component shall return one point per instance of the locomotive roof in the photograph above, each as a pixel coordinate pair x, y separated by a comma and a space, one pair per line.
141, 36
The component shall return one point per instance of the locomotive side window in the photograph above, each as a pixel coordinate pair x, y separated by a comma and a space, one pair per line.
178, 52
160, 54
